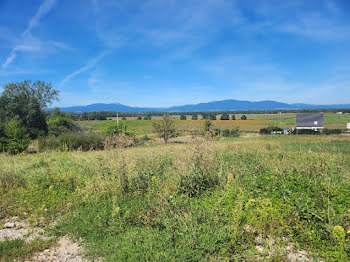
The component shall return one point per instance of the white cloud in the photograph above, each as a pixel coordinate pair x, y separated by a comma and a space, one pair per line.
44, 8
90, 64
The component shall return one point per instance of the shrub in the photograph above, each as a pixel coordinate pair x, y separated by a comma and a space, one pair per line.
226, 133
182, 117
231, 133
60, 125
264, 131
269, 130
71, 142
233, 117
117, 129
307, 132
235, 132
17, 136
332, 131
194, 117
208, 129
243, 117
139, 118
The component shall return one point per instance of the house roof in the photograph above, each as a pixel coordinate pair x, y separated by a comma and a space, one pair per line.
310, 120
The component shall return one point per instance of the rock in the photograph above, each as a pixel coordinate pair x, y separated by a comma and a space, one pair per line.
10, 225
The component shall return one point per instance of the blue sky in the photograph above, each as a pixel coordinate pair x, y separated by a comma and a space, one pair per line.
164, 52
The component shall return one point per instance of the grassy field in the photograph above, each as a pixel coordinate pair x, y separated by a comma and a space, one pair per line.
241, 199
254, 123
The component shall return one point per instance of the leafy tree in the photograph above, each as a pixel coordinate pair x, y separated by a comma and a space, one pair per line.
225, 116
55, 113
17, 136
194, 117
27, 100
139, 118
182, 117
3, 140
212, 116
123, 118
165, 127
35, 119
243, 117
149, 117
233, 117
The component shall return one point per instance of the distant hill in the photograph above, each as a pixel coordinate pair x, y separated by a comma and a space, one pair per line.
224, 105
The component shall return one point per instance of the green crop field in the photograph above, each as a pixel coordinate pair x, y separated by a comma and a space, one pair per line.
263, 198
253, 123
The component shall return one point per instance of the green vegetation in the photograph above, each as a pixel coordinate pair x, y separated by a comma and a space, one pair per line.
165, 128
206, 200
18, 249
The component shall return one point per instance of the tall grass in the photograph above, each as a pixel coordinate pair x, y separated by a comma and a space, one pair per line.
191, 202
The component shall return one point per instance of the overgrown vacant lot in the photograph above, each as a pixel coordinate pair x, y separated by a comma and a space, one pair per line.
264, 198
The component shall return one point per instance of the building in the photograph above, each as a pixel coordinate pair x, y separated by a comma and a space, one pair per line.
311, 121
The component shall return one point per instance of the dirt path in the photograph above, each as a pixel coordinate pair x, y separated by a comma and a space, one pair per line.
65, 250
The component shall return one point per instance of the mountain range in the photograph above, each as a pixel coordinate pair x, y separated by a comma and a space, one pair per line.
224, 105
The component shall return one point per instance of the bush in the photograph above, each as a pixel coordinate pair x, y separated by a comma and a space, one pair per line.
194, 117
182, 117
269, 130
60, 125
139, 118
117, 129
231, 133
71, 142
307, 132
243, 117
233, 117
264, 131
226, 133
17, 136
332, 131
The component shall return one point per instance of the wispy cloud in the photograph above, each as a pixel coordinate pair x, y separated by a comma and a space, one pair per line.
90, 64
44, 8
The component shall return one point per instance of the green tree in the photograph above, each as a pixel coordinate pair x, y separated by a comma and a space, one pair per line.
165, 127
35, 119
27, 100
55, 113
182, 117
225, 116
17, 136
194, 117
3, 140
209, 129
139, 118
243, 117
233, 117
